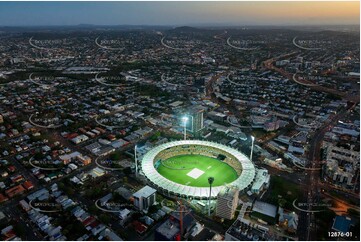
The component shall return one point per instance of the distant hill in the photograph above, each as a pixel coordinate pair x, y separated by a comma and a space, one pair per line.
80, 27
187, 29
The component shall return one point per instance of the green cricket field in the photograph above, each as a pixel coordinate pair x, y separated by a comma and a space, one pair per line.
194, 170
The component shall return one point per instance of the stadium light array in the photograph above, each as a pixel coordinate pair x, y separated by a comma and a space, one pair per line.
252, 148
185, 120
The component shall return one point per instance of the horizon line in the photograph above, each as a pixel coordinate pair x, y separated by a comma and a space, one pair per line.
185, 25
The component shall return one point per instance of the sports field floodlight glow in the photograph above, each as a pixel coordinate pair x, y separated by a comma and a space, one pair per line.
185, 120
252, 148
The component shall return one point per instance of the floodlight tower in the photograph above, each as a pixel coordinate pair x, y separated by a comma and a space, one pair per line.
252, 148
136, 161
210, 181
185, 120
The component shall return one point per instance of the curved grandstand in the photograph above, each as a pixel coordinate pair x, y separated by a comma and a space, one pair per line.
182, 168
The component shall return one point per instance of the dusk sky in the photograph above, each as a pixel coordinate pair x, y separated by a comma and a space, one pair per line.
179, 13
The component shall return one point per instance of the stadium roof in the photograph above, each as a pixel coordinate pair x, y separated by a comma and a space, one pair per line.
243, 181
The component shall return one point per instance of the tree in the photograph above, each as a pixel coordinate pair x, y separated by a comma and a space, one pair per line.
65, 232
127, 171
153, 209
69, 191
353, 212
38, 156
105, 218
19, 229
93, 209
155, 136
115, 156
61, 186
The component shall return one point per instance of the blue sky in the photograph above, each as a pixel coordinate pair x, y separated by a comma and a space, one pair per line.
178, 13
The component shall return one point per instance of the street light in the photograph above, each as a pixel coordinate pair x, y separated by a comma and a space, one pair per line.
210, 181
185, 120
252, 148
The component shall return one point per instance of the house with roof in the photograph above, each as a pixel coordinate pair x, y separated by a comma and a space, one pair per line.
3, 198
109, 235
8, 233
264, 211
288, 220
124, 216
19, 189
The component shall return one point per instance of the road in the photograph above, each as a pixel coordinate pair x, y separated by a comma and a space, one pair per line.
269, 65
312, 180
209, 85
210, 224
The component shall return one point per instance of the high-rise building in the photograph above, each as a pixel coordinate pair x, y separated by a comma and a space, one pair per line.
343, 164
144, 198
195, 120
198, 120
227, 202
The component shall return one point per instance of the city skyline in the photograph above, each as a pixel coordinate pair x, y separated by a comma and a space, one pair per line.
243, 13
